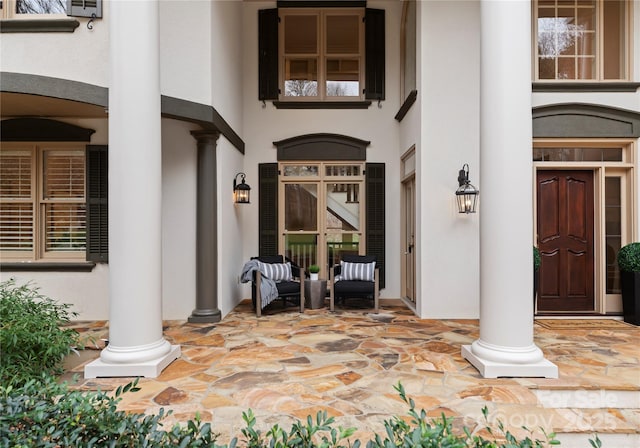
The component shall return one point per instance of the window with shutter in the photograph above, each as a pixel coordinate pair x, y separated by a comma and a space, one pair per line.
318, 54
42, 201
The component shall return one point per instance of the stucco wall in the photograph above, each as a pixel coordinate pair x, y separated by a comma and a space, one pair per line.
185, 50
448, 82
179, 168
79, 56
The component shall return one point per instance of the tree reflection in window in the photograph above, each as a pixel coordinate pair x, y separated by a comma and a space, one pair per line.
40, 6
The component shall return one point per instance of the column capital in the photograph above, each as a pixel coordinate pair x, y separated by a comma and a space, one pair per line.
206, 136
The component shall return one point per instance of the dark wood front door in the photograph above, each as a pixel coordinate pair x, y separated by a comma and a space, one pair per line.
565, 239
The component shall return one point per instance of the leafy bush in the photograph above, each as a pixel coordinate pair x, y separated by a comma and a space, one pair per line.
629, 258
536, 258
43, 413
314, 268
31, 340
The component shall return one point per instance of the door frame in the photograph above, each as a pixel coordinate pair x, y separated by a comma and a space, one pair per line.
604, 303
322, 179
408, 175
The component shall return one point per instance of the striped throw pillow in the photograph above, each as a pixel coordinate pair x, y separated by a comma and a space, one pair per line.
357, 271
276, 271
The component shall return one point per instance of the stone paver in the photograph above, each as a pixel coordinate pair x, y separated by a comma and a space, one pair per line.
286, 365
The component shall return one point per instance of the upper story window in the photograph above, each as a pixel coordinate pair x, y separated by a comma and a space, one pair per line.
322, 54
14, 9
321, 57
581, 40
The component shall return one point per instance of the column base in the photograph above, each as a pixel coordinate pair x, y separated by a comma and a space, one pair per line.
205, 316
492, 369
147, 369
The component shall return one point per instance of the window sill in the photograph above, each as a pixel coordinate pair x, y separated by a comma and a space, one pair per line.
39, 26
605, 86
45, 266
322, 104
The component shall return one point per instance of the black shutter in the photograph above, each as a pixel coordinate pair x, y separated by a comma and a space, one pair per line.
97, 207
374, 54
374, 178
84, 8
268, 54
268, 209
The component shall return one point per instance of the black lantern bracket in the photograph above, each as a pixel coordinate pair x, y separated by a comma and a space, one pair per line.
241, 191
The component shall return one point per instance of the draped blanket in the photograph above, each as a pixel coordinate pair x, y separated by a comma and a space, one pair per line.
268, 289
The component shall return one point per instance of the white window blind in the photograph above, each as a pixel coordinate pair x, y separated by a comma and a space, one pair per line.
63, 195
16, 206
42, 202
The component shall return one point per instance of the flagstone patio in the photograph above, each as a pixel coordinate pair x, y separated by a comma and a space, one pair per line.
286, 365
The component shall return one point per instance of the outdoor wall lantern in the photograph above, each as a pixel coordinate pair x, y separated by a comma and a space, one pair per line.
241, 190
466, 194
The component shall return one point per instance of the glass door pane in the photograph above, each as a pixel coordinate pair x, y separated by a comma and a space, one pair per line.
301, 207
342, 220
613, 231
301, 223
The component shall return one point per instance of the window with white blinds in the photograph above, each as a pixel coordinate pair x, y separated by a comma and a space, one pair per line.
42, 202
16, 200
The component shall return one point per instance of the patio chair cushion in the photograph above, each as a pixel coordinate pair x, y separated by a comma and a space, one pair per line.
353, 288
277, 271
357, 271
288, 288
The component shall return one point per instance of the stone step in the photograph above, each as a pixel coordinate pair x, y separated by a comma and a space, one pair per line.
588, 398
581, 440
612, 414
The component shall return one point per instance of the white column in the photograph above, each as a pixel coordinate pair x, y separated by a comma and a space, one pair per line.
506, 346
136, 344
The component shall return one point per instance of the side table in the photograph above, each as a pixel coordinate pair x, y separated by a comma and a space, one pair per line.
315, 291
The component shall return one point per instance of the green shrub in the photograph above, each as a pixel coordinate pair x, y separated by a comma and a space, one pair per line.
536, 258
43, 413
31, 339
314, 268
629, 258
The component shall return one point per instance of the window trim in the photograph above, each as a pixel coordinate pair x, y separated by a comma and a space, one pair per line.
599, 78
32, 25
